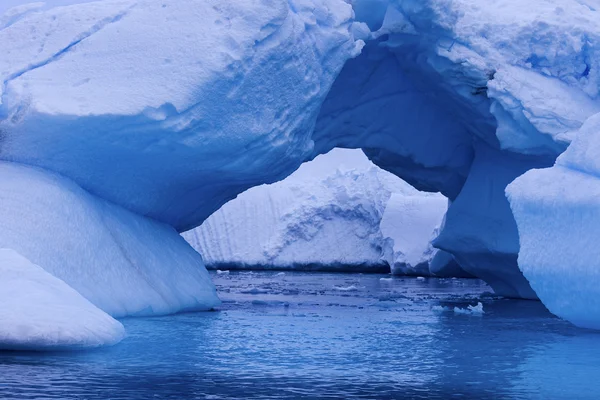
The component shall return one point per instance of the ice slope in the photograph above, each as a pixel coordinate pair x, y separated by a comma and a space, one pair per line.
123, 263
41, 312
557, 213
169, 109
337, 212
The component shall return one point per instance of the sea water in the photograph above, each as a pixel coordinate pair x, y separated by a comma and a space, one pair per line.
315, 335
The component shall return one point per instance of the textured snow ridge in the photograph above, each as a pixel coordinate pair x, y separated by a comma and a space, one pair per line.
462, 97
122, 263
559, 224
41, 312
169, 109
337, 212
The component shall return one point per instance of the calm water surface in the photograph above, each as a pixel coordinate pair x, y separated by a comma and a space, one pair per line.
300, 335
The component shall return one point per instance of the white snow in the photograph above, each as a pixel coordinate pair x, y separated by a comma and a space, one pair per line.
338, 212
121, 262
41, 312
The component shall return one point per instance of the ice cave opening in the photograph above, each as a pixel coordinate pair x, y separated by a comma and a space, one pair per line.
337, 213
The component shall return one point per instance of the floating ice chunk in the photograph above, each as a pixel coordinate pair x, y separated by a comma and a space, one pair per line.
420, 278
386, 279
351, 288
41, 312
470, 310
279, 274
220, 272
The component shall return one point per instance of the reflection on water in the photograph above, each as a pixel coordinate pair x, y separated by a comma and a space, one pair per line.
299, 335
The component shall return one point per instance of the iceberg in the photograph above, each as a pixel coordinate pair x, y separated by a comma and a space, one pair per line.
169, 109
123, 263
151, 116
463, 97
337, 212
556, 210
41, 312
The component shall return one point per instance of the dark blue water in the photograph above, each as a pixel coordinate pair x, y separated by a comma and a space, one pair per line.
323, 336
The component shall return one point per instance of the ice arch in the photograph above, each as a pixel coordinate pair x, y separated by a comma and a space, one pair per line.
170, 109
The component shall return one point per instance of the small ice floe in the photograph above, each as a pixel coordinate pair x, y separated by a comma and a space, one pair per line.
440, 308
219, 272
280, 274
386, 279
420, 278
351, 288
254, 291
470, 310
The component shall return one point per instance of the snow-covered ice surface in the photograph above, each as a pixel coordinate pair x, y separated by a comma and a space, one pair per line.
123, 263
301, 338
41, 312
558, 215
337, 212
169, 108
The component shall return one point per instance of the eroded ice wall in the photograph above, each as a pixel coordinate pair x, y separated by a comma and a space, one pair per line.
462, 97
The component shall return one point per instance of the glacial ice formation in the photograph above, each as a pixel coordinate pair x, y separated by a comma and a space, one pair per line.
337, 212
123, 263
170, 109
41, 312
557, 212
462, 97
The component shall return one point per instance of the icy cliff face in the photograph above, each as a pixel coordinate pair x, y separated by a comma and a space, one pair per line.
337, 212
41, 312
